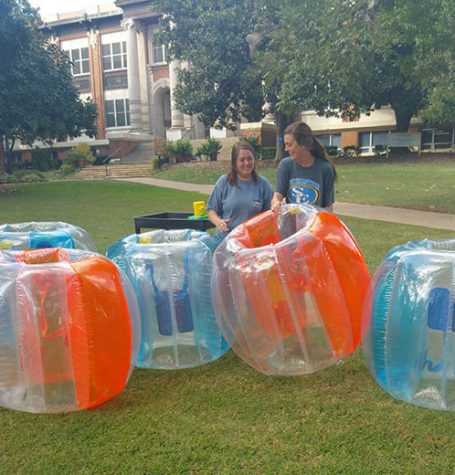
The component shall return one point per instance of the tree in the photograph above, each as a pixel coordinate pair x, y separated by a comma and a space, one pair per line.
38, 100
221, 83
345, 57
433, 59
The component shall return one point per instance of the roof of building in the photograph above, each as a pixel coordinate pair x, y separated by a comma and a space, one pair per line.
93, 13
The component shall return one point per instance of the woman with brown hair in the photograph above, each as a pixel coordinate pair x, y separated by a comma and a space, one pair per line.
240, 194
307, 175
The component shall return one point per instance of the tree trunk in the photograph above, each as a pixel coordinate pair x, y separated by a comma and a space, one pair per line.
2, 155
403, 119
282, 121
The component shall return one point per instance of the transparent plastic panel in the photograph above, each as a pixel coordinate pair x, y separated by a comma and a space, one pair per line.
409, 321
46, 377
435, 303
14, 241
208, 337
65, 330
135, 319
171, 275
285, 297
44, 234
322, 326
9, 354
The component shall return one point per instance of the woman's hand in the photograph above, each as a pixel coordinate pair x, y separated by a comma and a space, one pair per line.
277, 201
222, 225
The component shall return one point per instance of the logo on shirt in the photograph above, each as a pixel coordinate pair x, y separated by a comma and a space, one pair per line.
303, 191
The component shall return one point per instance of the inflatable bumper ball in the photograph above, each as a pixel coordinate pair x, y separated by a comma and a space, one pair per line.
40, 235
69, 330
288, 288
409, 322
170, 272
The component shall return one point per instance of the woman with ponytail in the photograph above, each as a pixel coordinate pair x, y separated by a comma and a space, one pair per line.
307, 175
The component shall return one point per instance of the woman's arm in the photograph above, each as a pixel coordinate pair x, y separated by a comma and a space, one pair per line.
220, 224
276, 200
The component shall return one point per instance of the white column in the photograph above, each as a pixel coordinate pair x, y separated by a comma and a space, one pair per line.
177, 129
176, 115
134, 89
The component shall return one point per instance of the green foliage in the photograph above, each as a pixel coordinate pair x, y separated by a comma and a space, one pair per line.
421, 36
350, 151
68, 168
439, 112
380, 149
332, 150
346, 66
38, 100
210, 148
222, 84
42, 160
79, 155
158, 162
22, 176
268, 153
179, 151
254, 142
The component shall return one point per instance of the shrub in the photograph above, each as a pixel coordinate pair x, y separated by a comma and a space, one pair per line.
79, 155
179, 151
22, 176
158, 162
254, 142
268, 153
42, 160
332, 150
351, 151
380, 149
210, 149
68, 169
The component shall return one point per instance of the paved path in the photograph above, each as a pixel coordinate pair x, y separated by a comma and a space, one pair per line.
380, 213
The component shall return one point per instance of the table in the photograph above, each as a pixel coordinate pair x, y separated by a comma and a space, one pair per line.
167, 220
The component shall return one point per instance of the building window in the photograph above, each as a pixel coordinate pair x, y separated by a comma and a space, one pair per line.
159, 54
114, 56
80, 61
332, 140
117, 113
438, 139
369, 140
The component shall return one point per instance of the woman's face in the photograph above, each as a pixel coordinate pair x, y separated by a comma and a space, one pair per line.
292, 147
244, 164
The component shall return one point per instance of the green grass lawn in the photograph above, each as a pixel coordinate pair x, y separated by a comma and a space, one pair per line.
105, 209
428, 185
224, 417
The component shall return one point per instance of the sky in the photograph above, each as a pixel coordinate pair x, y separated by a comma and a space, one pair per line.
49, 7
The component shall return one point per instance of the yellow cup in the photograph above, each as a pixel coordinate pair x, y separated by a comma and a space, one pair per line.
199, 208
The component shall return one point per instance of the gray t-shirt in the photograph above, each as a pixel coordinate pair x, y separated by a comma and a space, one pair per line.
312, 185
239, 202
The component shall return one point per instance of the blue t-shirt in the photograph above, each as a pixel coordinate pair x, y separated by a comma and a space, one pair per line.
241, 201
312, 185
